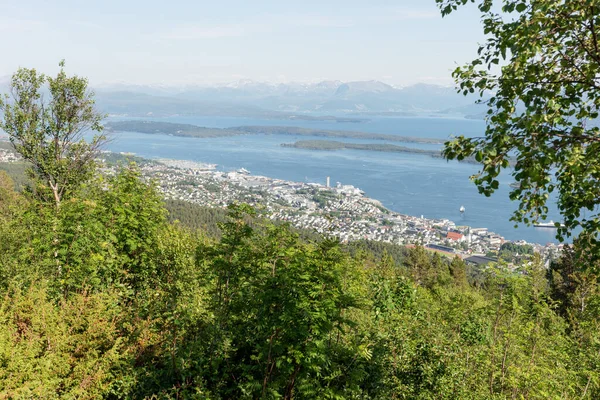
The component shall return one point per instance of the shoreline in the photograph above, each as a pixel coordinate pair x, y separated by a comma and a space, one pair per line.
381, 222
377, 221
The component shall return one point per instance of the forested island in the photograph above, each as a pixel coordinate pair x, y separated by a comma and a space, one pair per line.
188, 130
289, 130
334, 145
389, 148
305, 117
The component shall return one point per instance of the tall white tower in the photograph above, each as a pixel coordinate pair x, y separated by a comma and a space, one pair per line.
328, 182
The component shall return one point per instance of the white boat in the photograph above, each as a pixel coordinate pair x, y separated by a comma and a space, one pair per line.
551, 224
461, 209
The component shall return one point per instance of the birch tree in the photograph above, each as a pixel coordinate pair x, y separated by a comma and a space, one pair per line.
46, 119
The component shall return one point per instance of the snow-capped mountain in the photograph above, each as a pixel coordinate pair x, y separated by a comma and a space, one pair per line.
331, 97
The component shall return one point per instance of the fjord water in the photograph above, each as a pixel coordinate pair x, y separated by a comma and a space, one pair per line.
410, 184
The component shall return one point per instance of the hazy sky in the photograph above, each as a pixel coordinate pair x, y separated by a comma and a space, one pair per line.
197, 41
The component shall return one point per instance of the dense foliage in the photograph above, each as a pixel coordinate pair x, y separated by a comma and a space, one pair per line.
538, 73
46, 119
105, 298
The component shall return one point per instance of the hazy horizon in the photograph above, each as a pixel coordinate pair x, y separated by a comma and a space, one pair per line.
241, 82
198, 43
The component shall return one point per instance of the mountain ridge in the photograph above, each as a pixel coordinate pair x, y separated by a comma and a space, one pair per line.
330, 97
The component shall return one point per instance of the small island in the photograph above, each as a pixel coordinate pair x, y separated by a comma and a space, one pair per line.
297, 131
391, 148
334, 145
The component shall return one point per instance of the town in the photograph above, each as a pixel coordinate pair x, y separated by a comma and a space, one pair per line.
341, 211
8, 156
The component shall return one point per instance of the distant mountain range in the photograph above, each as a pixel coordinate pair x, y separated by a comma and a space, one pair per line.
269, 100
248, 98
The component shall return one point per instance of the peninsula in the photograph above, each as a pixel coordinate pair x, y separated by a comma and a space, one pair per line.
188, 130
168, 128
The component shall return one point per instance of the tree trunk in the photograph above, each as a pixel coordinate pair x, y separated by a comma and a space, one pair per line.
55, 192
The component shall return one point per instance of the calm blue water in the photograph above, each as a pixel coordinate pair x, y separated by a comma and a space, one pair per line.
406, 183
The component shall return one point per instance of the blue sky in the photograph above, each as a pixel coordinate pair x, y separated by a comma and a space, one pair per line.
196, 41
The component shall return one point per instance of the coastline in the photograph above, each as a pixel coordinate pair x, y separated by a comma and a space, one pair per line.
357, 216
343, 211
